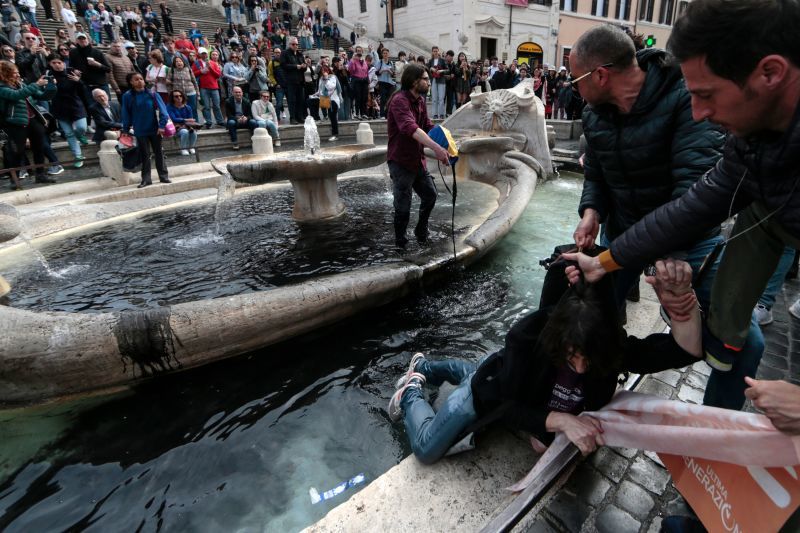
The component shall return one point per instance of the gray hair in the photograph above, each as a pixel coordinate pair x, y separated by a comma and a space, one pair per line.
605, 44
96, 91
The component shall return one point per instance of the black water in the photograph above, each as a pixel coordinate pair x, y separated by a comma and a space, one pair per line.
236, 446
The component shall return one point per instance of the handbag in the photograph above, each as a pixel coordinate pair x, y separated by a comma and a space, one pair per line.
128, 149
169, 128
324, 102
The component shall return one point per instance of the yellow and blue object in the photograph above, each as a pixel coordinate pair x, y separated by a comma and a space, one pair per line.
444, 138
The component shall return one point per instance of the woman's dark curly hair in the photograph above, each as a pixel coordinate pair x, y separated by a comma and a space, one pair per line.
586, 321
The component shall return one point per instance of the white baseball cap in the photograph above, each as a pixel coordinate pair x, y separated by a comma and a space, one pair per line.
202, 51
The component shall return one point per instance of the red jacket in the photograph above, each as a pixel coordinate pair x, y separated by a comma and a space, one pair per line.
207, 80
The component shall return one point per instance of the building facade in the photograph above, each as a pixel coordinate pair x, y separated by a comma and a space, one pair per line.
646, 17
481, 28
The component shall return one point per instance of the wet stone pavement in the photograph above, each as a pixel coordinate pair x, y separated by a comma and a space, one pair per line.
617, 490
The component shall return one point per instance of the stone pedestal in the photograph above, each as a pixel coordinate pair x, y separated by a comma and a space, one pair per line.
364, 134
262, 142
111, 163
316, 199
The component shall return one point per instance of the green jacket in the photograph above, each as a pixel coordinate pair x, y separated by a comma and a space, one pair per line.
12, 101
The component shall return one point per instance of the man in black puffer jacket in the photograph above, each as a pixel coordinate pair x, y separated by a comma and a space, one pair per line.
644, 150
744, 73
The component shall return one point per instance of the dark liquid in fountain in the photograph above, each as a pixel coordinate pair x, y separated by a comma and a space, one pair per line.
177, 256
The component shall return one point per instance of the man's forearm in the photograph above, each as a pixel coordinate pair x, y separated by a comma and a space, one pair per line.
421, 137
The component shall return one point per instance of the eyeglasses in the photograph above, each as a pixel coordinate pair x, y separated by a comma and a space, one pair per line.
574, 82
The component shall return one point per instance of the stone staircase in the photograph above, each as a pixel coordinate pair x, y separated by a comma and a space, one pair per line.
184, 12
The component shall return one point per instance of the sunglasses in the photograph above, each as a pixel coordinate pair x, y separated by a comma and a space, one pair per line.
579, 78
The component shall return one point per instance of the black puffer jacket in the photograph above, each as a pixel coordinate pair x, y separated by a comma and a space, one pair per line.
768, 168
641, 160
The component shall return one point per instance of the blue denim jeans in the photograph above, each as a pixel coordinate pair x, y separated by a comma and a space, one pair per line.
187, 138
73, 130
271, 127
233, 126
211, 101
191, 99
724, 389
776, 280
432, 434
438, 90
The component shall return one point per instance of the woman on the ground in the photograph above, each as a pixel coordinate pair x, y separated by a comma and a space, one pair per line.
157, 73
22, 121
182, 79
265, 116
146, 114
182, 116
329, 86
557, 362
256, 77
69, 106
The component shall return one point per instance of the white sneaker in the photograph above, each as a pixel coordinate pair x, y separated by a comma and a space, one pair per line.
23, 174
277, 142
415, 359
184, 152
334, 138
191, 151
395, 411
763, 315
794, 310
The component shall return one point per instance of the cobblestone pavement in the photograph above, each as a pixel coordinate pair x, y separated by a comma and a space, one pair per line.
621, 490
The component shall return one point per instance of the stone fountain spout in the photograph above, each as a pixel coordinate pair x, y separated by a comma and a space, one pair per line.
313, 172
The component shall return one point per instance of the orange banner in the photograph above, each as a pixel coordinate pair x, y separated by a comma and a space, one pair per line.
733, 498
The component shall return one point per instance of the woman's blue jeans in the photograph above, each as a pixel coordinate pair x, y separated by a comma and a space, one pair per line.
73, 130
187, 138
432, 434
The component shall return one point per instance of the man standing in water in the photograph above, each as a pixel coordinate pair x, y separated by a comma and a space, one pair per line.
408, 124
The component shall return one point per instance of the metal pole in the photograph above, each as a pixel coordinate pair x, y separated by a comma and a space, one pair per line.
510, 12
388, 33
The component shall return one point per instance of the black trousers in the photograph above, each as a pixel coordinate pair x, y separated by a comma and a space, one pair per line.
360, 92
145, 144
48, 9
168, 25
297, 101
17, 135
403, 182
333, 114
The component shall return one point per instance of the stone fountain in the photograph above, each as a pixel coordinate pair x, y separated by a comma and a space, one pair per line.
46, 354
313, 173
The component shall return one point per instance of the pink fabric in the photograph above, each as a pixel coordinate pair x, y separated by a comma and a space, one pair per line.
634, 420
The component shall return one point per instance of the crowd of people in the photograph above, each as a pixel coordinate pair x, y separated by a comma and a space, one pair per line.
196, 76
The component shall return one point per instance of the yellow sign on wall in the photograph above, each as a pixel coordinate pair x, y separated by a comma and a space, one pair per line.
529, 48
